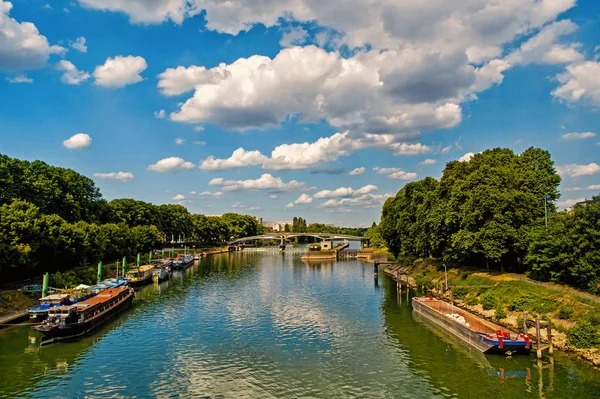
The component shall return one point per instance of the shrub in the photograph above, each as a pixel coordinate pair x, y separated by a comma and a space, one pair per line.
500, 312
472, 301
583, 335
565, 313
593, 317
424, 281
488, 302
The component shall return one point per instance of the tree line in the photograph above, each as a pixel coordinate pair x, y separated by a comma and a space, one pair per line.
54, 219
490, 211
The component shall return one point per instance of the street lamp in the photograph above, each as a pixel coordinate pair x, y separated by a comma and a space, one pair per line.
446, 273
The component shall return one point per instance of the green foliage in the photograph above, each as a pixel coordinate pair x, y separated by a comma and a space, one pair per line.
424, 281
472, 300
480, 212
488, 301
583, 335
565, 313
374, 234
500, 312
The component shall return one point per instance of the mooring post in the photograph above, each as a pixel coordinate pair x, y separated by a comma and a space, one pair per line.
538, 338
525, 323
549, 332
376, 273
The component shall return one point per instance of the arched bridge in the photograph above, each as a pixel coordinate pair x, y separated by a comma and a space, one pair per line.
285, 236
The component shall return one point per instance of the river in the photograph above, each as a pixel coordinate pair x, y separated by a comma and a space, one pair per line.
267, 325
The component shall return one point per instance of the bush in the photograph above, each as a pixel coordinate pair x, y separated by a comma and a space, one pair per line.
472, 301
583, 335
565, 313
488, 302
424, 281
500, 313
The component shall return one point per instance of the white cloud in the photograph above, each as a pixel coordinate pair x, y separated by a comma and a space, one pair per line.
200, 142
254, 208
446, 150
121, 176
149, 12
357, 171
120, 71
171, 164
175, 81
71, 75
579, 83
345, 192
542, 48
294, 36
22, 47
578, 136
467, 157
20, 79
264, 183
216, 194
239, 205
303, 199
588, 188
396, 173
79, 140
290, 205
179, 141
574, 170
365, 201
178, 197
199, 128
273, 196
428, 162
161, 114
568, 203
193, 192
79, 44
305, 155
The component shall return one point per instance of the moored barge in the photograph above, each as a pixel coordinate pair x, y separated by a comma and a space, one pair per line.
141, 275
472, 330
162, 270
182, 262
76, 320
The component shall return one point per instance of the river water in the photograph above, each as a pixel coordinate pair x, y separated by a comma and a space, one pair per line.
267, 325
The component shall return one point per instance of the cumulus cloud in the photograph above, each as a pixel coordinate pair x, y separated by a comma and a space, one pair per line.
121, 176
20, 79
79, 44
569, 203
365, 201
579, 83
357, 171
179, 141
160, 114
178, 197
428, 162
22, 46
216, 194
304, 199
264, 183
79, 140
305, 155
446, 150
171, 164
396, 173
592, 187
120, 71
149, 12
574, 170
345, 192
71, 75
467, 157
294, 36
273, 196
578, 136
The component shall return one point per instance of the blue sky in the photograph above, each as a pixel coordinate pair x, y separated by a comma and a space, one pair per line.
265, 108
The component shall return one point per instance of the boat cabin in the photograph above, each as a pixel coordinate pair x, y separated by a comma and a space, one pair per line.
52, 300
62, 315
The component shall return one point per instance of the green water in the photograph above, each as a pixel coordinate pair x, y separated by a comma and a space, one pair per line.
266, 325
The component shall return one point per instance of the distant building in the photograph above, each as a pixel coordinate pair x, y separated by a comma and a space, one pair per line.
277, 226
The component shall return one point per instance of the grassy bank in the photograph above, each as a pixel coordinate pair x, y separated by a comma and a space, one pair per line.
14, 301
503, 298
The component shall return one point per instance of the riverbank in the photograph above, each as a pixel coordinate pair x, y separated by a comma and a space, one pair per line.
503, 298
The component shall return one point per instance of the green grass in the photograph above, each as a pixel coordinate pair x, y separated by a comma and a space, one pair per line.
12, 301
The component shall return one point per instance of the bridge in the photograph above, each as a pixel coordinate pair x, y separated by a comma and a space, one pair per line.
327, 239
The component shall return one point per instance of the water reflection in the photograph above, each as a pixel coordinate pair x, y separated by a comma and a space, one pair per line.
268, 325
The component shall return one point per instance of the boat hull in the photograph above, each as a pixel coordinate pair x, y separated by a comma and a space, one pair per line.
471, 336
182, 265
143, 281
56, 333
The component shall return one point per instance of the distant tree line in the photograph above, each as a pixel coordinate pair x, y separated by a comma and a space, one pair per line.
54, 219
489, 212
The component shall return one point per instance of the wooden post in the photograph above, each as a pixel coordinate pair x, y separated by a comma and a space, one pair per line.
538, 338
525, 323
549, 332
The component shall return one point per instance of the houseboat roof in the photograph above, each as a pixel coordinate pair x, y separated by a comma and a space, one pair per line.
101, 297
54, 297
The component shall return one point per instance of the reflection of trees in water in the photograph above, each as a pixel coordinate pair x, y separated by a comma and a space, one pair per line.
453, 365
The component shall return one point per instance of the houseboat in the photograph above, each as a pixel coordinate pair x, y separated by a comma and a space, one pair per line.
162, 270
70, 321
481, 334
40, 311
141, 275
182, 262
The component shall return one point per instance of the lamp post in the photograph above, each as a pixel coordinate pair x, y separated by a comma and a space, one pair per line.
446, 274
546, 197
